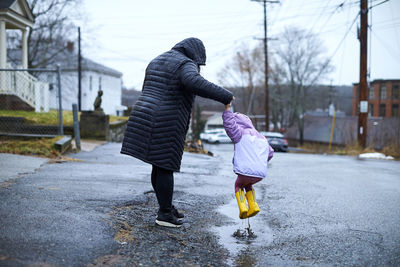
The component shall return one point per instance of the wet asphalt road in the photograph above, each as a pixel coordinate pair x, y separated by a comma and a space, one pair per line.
315, 210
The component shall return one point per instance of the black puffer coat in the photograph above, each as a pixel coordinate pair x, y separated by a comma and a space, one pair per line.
159, 120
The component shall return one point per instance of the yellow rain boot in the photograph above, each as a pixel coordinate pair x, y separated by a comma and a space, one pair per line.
253, 206
241, 203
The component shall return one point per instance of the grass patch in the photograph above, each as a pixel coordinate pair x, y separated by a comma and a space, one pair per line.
49, 118
43, 147
393, 151
118, 118
351, 150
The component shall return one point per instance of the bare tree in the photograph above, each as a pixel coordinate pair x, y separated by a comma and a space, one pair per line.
244, 71
278, 100
52, 29
299, 64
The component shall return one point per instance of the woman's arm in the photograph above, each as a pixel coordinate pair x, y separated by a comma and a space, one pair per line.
193, 81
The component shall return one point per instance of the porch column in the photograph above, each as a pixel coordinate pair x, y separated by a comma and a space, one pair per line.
25, 48
3, 45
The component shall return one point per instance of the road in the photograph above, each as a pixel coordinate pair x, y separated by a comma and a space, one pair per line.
320, 209
99, 209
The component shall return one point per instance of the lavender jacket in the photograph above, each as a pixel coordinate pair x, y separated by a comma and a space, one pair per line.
252, 150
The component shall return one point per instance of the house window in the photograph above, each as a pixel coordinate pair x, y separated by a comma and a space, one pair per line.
395, 110
382, 92
371, 92
90, 83
395, 92
99, 83
382, 110
371, 110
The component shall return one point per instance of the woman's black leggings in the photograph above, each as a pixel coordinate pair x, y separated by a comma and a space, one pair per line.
163, 184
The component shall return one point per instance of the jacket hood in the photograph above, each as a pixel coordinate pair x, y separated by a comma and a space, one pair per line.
193, 48
243, 121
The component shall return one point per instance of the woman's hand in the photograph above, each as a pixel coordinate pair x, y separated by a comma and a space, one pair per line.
228, 107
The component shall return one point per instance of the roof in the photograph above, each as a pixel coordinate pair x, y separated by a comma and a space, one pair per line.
6, 3
382, 81
16, 13
69, 62
90, 65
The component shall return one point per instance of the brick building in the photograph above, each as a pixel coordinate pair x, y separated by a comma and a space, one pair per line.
383, 98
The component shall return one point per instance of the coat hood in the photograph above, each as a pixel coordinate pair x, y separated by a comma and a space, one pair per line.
243, 121
193, 48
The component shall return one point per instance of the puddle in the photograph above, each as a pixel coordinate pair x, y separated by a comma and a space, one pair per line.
240, 235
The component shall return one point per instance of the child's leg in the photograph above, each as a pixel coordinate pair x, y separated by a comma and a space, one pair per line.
247, 182
240, 197
239, 183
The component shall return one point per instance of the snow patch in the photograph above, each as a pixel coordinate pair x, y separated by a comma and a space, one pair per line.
374, 156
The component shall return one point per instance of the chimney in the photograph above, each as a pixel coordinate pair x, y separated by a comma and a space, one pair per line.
70, 46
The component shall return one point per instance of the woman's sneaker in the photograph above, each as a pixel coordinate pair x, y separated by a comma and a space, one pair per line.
176, 213
168, 220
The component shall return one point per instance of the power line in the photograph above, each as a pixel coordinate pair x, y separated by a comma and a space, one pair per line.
320, 15
397, 35
344, 37
389, 49
379, 4
343, 53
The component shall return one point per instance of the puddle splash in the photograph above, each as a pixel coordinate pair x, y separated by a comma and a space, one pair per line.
238, 235
245, 234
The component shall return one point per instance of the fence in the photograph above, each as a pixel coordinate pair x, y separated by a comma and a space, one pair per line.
381, 132
31, 102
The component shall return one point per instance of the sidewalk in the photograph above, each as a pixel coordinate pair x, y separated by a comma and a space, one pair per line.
101, 210
13, 166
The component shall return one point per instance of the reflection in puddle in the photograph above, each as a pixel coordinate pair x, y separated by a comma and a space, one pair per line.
245, 257
241, 235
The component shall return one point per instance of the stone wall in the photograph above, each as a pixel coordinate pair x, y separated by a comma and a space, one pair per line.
117, 131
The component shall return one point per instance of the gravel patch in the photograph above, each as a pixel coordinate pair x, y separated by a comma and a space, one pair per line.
143, 243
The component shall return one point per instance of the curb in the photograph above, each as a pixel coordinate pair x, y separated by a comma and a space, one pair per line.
64, 144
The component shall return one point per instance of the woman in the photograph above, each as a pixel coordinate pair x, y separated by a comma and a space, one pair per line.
159, 120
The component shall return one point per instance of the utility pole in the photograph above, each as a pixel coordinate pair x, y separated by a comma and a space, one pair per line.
363, 86
79, 70
266, 61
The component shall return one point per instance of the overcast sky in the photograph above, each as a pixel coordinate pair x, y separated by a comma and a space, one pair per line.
126, 35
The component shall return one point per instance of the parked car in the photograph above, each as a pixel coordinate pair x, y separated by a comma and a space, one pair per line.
277, 141
206, 134
218, 138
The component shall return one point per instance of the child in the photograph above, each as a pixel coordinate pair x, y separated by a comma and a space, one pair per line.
250, 160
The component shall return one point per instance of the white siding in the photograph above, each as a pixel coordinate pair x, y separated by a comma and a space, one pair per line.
111, 86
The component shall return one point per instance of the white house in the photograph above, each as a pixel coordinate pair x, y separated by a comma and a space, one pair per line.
16, 15
95, 77
21, 90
